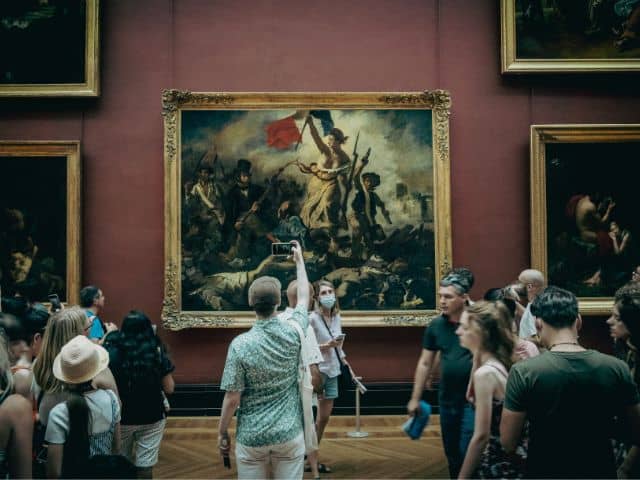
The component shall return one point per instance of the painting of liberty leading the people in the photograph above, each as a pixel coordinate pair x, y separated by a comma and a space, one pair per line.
354, 187
592, 216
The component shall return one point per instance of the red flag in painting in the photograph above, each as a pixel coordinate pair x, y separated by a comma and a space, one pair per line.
282, 133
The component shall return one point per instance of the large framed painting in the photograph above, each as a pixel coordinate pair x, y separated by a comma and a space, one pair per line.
361, 180
49, 48
40, 219
585, 230
570, 36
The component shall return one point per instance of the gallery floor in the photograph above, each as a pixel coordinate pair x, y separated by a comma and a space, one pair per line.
189, 450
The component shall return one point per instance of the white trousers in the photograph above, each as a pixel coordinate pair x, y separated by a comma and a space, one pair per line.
286, 459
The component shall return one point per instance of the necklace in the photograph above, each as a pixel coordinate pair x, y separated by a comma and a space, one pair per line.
563, 343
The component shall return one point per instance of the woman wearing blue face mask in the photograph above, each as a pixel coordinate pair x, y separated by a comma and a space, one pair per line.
328, 329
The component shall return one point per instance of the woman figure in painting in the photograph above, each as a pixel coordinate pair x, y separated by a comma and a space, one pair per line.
143, 374
321, 208
624, 326
485, 330
327, 325
16, 423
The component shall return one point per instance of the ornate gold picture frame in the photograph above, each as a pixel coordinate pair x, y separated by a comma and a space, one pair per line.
542, 36
584, 222
51, 49
361, 179
40, 248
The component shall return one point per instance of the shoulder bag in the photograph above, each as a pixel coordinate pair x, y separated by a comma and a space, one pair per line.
345, 382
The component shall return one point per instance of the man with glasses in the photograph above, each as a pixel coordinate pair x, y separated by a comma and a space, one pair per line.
456, 414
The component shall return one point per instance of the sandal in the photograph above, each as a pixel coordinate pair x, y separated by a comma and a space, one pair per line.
322, 468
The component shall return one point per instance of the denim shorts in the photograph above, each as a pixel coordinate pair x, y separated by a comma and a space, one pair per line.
330, 388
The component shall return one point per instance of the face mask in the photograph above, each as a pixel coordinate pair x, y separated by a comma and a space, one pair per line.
328, 301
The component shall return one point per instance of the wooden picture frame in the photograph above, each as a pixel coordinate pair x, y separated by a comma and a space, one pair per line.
581, 193
229, 137
56, 57
555, 38
42, 221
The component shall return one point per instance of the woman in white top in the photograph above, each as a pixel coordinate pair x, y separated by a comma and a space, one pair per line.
327, 326
88, 422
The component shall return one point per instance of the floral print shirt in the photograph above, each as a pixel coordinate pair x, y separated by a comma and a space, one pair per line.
263, 364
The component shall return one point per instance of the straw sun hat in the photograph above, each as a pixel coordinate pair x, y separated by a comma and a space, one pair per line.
80, 360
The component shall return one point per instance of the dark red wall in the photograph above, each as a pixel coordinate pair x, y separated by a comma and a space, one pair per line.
297, 45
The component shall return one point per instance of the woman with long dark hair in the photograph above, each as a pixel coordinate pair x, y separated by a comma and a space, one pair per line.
485, 329
624, 326
142, 371
87, 423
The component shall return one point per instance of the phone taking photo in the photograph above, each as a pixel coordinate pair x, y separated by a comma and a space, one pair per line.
340, 337
56, 305
281, 249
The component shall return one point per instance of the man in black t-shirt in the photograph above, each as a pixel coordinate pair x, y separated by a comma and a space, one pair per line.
570, 396
456, 414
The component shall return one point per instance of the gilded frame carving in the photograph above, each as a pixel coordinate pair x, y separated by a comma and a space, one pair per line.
510, 63
91, 85
541, 136
70, 150
175, 101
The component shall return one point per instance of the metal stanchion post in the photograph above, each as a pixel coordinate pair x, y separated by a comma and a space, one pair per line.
357, 433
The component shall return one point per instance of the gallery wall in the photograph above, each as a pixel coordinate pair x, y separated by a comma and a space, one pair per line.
294, 45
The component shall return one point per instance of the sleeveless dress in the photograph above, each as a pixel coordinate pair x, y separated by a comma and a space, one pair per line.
494, 462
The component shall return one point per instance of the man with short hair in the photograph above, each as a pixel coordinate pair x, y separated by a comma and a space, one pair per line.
456, 414
533, 281
569, 396
92, 301
261, 377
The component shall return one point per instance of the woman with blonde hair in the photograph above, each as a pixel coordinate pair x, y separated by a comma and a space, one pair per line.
16, 423
62, 327
327, 325
485, 330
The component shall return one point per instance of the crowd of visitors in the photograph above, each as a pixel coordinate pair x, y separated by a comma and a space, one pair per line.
518, 395
78, 397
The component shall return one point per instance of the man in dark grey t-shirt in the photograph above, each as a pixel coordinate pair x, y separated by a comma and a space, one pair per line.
456, 414
569, 395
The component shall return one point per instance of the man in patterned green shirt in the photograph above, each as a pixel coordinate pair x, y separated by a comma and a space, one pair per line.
261, 377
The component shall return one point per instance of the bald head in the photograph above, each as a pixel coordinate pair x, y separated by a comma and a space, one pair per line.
533, 280
292, 294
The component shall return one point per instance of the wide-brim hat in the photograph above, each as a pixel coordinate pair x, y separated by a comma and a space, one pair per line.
80, 360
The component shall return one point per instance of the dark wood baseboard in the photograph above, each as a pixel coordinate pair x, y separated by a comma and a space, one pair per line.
380, 399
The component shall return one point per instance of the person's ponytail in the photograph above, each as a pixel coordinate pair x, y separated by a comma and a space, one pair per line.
76, 448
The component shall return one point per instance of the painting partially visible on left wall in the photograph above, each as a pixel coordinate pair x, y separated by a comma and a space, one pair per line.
39, 223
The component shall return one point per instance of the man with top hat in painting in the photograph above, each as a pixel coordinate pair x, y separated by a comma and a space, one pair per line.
244, 213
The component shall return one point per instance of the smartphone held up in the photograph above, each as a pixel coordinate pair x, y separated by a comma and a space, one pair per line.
281, 249
56, 305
